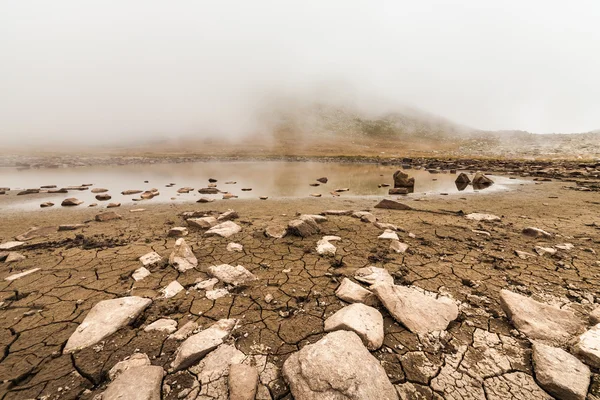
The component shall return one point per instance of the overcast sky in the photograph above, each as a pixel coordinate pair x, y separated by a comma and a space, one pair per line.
111, 69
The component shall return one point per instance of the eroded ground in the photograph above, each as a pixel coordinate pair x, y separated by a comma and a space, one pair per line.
480, 356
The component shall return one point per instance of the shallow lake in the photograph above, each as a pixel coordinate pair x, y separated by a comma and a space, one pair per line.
272, 179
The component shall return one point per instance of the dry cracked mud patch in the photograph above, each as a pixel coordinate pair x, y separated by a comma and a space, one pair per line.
480, 356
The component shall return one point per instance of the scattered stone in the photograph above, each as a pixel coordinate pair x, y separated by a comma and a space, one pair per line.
317, 218
225, 229
365, 321
28, 191
540, 321
268, 298
13, 256
162, 325
212, 180
233, 275
185, 190
417, 311
228, 216
316, 194
337, 212
275, 231
566, 246
172, 289
398, 246
401, 180
398, 191
243, 382
182, 257
178, 231
20, 274
322, 180
197, 346
103, 197
205, 200
131, 192
523, 254
99, 190
136, 360
263, 197
315, 372
235, 247
342, 190
46, 204
384, 226
104, 319
107, 216
389, 234
392, 205
185, 331
246, 189
209, 190
559, 373
536, 232
140, 274
71, 227
588, 346
150, 258
11, 245
462, 178
351, 292
206, 284
303, 227
544, 250
595, 316
71, 201
227, 196
35, 232
136, 383
325, 248
202, 223
373, 275
113, 205
216, 293
147, 195
482, 217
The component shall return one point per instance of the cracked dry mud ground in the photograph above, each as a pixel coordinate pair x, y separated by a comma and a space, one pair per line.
481, 356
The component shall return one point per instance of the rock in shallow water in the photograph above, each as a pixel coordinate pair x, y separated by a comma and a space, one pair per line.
337, 367
419, 312
104, 319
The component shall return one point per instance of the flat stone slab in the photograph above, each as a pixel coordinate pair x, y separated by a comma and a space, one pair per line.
104, 319
336, 367
588, 346
392, 205
202, 223
140, 274
136, 360
373, 275
303, 227
213, 370
233, 275
150, 259
162, 325
137, 383
365, 321
417, 311
243, 382
172, 289
539, 321
225, 229
182, 257
197, 346
388, 234
21, 274
185, 331
11, 245
483, 217
560, 373
398, 246
351, 292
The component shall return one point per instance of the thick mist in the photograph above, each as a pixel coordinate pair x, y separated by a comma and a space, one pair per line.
100, 72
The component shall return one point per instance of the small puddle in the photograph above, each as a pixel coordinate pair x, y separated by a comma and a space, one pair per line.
272, 179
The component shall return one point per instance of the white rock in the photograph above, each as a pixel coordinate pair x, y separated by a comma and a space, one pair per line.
206, 284
482, 217
417, 311
171, 289
182, 257
202, 223
559, 373
324, 246
162, 325
317, 218
13, 256
566, 246
150, 258
337, 367
216, 293
140, 274
228, 215
588, 346
243, 382
178, 231
235, 247
21, 274
137, 383
213, 370
365, 321
373, 275
185, 331
197, 346
11, 245
398, 246
536, 232
225, 229
275, 231
354, 293
337, 212
104, 319
385, 226
540, 321
389, 235
232, 275
136, 360
543, 250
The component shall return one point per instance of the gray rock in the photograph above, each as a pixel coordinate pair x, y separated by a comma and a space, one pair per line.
137, 383
104, 319
202, 223
182, 257
481, 180
233, 275
540, 321
197, 346
365, 321
225, 229
337, 367
419, 312
303, 227
463, 178
243, 382
559, 373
